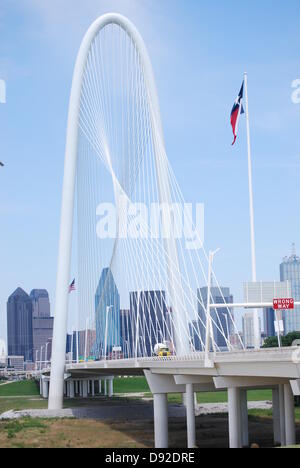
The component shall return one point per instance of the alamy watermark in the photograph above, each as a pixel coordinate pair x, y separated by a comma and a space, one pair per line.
2, 92
158, 221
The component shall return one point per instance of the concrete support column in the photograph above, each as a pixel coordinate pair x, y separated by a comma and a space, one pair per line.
234, 413
289, 402
244, 418
282, 415
160, 404
100, 387
41, 386
72, 389
65, 388
276, 416
68, 388
190, 416
105, 387
111, 388
80, 388
93, 388
85, 388
45, 388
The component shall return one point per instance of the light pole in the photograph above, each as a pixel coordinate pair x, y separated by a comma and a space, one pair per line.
36, 359
85, 340
41, 357
72, 343
46, 353
209, 331
108, 308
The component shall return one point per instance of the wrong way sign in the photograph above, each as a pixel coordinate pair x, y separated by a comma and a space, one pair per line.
283, 304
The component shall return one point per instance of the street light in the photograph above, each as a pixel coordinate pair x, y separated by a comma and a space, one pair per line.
46, 353
209, 332
36, 361
41, 357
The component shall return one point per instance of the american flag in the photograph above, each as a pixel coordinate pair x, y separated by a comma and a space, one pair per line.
237, 110
72, 286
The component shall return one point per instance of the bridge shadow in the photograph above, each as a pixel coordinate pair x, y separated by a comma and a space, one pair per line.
134, 417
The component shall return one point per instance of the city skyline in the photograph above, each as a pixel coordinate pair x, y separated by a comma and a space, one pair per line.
275, 152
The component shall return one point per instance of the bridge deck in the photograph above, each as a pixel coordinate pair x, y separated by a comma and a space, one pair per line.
277, 363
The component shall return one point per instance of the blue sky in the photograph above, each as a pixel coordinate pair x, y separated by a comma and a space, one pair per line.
199, 50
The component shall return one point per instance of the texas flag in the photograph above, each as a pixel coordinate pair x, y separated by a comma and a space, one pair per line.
237, 110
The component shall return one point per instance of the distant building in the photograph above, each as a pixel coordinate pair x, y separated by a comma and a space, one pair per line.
269, 322
248, 330
79, 341
221, 321
126, 333
19, 325
195, 336
290, 270
40, 303
107, 314
42, 322
15, 363
151, 321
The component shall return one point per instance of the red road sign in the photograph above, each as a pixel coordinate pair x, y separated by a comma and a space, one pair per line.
283, 304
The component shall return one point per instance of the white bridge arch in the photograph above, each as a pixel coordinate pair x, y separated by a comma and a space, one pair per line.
177, 301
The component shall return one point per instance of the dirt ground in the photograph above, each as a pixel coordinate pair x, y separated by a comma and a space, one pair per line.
212, 432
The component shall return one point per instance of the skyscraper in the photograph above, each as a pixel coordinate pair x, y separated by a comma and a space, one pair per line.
107, 311
40, 303
126, 333
290, 270
151, 321
19, 325
248, 329
221, 322
42, 323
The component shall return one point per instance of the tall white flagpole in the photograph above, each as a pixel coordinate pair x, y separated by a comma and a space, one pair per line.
257, 337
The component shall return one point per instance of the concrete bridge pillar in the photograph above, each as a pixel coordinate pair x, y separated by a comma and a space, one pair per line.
93, 388
276, 416
45, 388
244, 418
100, 387
72, 389
234, 413
161, 420
111, 387
105, 387
282, 415
41, 386
190, 416
68, 388
85, 388
289, 402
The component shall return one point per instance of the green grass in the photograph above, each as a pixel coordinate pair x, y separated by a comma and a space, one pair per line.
131, 385
22, 388
139, 385
221, 397
256, 413
19, 404
14, 427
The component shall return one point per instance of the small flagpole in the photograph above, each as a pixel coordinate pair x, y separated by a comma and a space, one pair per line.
257, 337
